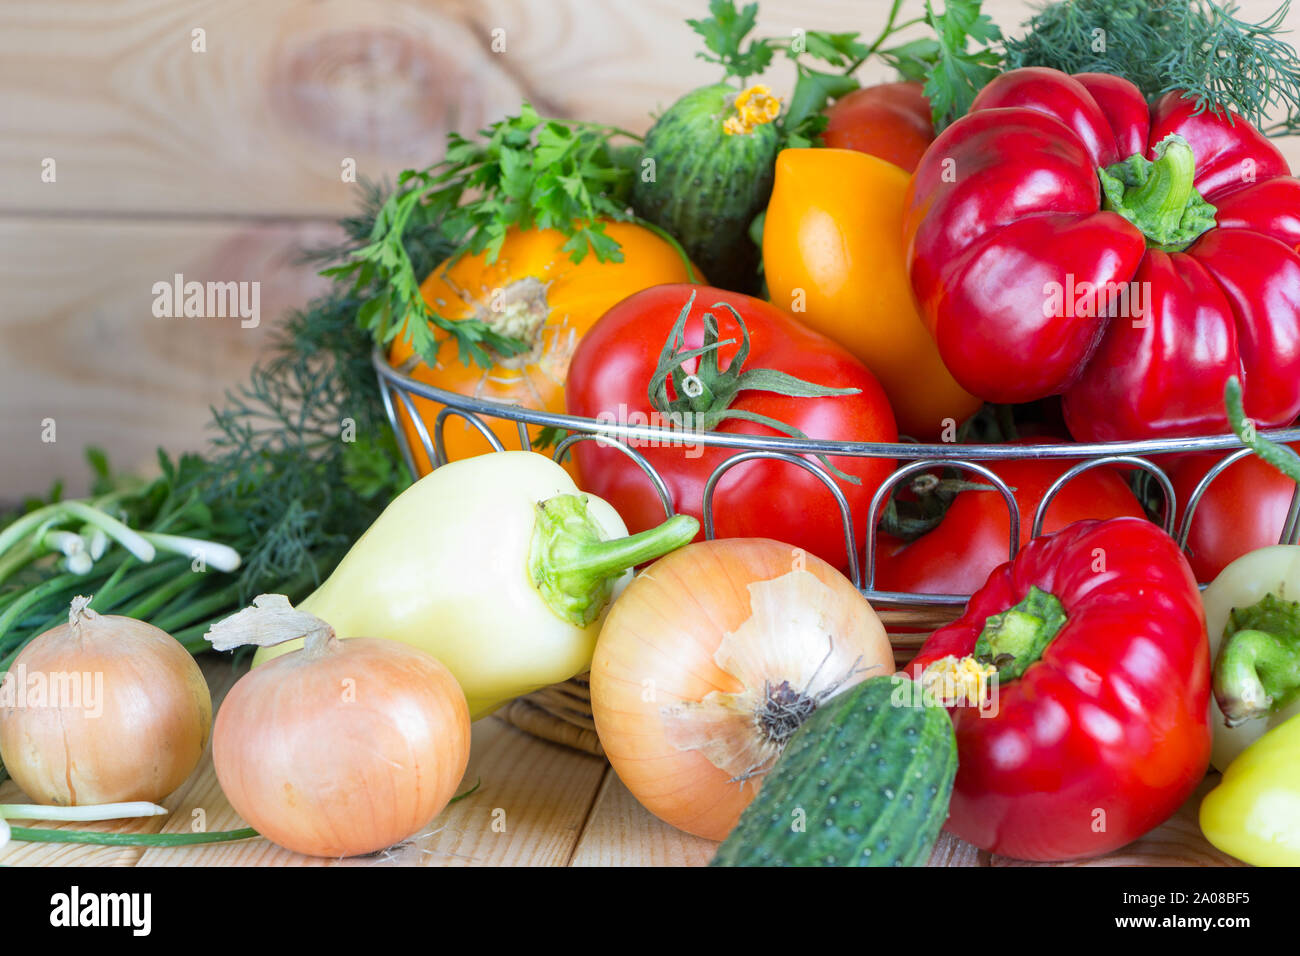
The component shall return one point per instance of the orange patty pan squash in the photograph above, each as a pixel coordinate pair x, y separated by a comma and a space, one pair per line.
535, 292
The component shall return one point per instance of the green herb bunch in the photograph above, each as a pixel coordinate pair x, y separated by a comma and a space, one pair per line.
952, 72
525, 172
1204, 48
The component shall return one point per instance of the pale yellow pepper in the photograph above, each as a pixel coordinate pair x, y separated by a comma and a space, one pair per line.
1254, 812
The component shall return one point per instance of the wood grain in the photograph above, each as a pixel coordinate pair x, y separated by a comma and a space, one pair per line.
620, 832
257, 125
537, 804
79, 342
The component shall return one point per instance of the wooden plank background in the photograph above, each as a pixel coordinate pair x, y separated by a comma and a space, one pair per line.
220, 164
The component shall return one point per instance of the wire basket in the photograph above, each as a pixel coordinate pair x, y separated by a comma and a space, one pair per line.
563, 713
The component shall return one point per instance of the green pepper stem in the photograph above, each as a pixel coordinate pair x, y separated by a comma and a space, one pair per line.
1253, 667
1160, 200
1279, 456
1258, 667
612, 558
1017, 637
1159, 196
574, 569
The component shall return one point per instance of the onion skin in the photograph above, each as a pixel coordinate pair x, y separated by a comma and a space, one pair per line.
666, 628
328, 776
155, 716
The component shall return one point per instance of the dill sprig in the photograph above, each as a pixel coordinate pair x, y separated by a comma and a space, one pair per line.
1222, 61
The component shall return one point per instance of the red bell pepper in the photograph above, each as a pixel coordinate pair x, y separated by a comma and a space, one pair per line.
1064, 238
1097, 725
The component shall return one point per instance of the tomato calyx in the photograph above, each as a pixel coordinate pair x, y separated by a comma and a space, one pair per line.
702, 400
1016, 638
1158, 196
927, 503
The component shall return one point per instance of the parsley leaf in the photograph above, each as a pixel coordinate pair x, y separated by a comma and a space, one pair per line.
525, 172
958, 74
915, 60
837, 49
804, 119
724, 30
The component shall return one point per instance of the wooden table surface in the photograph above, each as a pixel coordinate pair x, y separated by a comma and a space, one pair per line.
537, 804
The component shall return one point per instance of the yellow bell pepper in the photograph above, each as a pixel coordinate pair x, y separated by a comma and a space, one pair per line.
833, 257
1254, 813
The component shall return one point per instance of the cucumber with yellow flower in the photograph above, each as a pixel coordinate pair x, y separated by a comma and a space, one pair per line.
705, 172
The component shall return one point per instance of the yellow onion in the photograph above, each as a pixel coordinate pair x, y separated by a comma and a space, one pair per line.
343, 747
103, 709
711, 659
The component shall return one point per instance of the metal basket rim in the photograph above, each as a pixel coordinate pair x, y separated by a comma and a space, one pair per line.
396, 388
394, 377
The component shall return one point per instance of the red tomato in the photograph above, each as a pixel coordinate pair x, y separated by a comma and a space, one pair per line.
1243, 509
891, 121
609, 377
957, 556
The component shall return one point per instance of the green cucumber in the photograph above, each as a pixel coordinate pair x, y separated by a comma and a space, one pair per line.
864, 782
705, 185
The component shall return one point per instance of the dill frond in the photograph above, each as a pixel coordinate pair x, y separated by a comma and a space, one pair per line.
1203, 48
